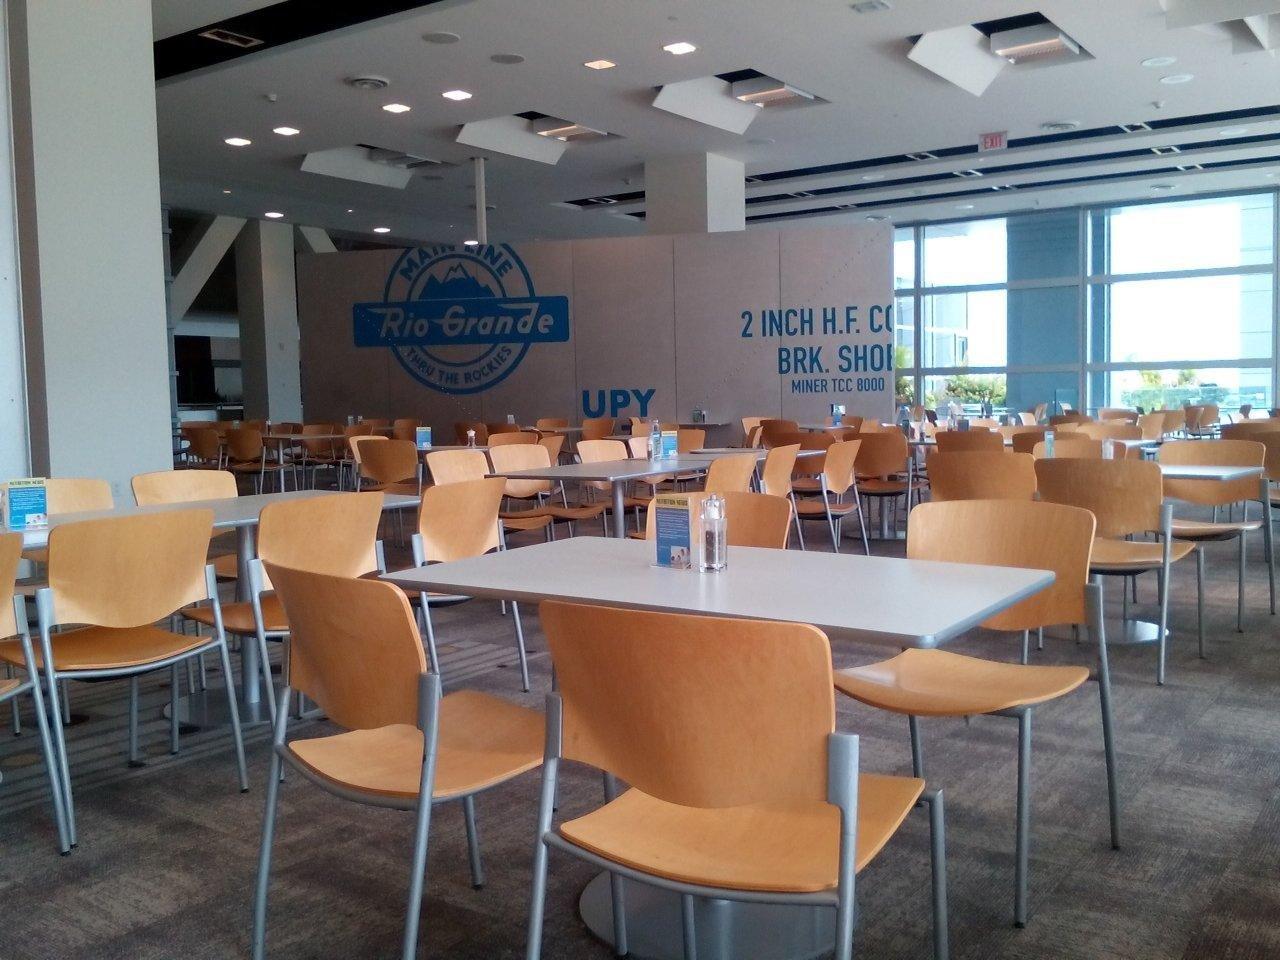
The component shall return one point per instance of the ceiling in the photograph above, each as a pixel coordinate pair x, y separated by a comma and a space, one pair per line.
880, 107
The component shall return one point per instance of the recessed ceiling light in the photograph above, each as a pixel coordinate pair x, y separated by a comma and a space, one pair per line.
1175, 78
272, 215
441, 36
237, 142
381, 229
287, 131
680, 48
471, 243
600, 64
964, 206
1162, 187
1232, 131
870, 177
507, 59
396, 108
1159, 61
456, 95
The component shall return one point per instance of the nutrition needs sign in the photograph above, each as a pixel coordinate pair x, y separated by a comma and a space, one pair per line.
460, 321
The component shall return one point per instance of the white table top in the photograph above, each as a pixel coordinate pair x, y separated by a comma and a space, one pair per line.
228, 513
900, 603
1174, 471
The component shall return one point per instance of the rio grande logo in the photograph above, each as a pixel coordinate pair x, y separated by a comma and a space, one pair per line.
460, 321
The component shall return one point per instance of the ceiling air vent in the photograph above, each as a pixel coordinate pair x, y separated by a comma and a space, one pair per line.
230, 37
1041, 41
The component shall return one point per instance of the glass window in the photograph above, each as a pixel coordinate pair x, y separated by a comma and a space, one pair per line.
904, 258
1184, 318
1156, 389
1187, 235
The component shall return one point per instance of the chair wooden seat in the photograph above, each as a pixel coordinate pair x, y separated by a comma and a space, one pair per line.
238, 617
484, 740
107, 648
935, 683
1206, 530
1111, 555
781, 847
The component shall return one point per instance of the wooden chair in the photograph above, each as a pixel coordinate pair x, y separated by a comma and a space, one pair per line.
936, 683
404, 746
544, 511
730, 474
1069, 446
835, 483
506, 438
981, 475
457, 521
335, 534
597, 428
1218, 494
186, 486
14, 632
110, 581
453, 466
1126, 497
752, 519
739, 786
954, 441
405, 428
883, 469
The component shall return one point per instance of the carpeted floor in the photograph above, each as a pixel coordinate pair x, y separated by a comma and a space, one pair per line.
167, 853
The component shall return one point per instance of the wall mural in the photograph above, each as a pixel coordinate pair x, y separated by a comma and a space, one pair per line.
764, 322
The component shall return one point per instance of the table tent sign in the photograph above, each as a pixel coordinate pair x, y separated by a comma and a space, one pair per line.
765, 322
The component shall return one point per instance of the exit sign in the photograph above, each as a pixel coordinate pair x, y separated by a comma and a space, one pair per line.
993, 141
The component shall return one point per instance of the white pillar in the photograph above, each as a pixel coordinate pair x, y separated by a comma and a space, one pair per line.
87, 188
266, 286
699, 193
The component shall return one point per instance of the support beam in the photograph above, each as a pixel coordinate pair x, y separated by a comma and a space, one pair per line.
198, 259
699, 193
266, 286
316, 240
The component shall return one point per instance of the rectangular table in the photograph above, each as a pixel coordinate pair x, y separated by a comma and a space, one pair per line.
232, 513
881, 600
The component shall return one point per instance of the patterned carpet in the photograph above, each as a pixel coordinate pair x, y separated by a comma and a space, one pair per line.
167, 852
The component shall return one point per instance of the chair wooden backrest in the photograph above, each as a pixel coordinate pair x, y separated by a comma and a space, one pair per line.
1124, 496
460, 520
597, 428
554, 444
953, 441
1215, 453
1069, 446
1268, 436
730, 474
335, 535
752, 519
129, 571
689, 439
452, 466
1151, 425
354, 648
183, 486
1122, 430
775, 477
76, 495
405, 428
1024, 439
881, 454
521, 456
391, 461
1013, 533
671, 704
981, 475
838, 465
550, 423
509, 437
10, 555
244, 444
1118, 413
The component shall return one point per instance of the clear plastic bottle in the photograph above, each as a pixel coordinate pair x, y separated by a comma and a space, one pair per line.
715, 529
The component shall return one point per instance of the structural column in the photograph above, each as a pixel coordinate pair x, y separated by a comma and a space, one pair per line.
87, 191
698, 193
266, 286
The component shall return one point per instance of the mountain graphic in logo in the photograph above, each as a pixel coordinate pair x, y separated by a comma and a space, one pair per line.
457, 284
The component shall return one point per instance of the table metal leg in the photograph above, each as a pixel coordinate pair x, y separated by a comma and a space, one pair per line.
619, 510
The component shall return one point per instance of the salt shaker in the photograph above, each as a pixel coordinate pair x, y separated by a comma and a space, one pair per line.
715, 548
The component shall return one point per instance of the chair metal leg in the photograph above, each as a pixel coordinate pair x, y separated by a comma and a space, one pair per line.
1200, 599
917, 748
264, 858
520, 650
173, 710
1023, 857
938, 863
687, 928
473, 842
134, 759
235, 715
